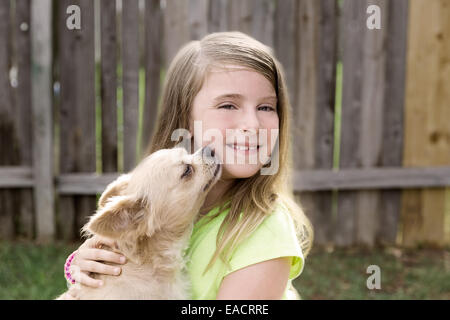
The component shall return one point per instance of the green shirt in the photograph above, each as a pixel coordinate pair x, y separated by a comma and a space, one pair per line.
274, 238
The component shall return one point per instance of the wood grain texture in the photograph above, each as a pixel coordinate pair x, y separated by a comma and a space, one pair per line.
41, 28
353, 26
392, 150
108, 83
154, 24
8, 131
427, 129
77, 111
130, 82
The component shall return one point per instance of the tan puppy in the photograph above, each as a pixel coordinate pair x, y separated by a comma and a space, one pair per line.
150, 213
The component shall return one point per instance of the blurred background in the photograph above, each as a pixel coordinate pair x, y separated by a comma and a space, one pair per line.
369, 84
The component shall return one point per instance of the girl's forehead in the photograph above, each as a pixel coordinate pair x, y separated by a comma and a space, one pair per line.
239, 78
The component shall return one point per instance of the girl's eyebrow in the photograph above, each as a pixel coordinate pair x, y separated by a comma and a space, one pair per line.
240, 96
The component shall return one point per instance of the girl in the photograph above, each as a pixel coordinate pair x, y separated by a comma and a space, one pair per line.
251, 237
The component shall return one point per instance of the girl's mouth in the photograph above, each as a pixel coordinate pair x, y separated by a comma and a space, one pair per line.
243, 148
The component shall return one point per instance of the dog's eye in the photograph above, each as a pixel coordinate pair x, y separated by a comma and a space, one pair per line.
187, 172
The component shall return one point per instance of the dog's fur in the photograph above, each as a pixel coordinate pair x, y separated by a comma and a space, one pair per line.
150, 213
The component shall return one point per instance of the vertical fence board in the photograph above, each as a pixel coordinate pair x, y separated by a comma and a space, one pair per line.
130, 81
23, 108
392, 151
217, 15
8, 132
240, 16
176, 28
263, 21
198, 18
108, 84
322, 218
353, 19
372, 99
153, 62
285, 43
41, 17
304, 130
77, 111
427, 127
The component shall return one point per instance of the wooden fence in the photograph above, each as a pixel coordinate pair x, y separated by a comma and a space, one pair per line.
371, 143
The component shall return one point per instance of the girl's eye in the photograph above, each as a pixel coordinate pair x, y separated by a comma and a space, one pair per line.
187, 172
266, 108
227, 106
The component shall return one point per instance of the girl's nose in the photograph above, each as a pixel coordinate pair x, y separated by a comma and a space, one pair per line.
249, 122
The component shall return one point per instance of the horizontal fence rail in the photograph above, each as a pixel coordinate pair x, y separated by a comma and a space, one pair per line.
307, 180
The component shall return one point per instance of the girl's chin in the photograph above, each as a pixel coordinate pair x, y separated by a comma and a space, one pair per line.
238, 171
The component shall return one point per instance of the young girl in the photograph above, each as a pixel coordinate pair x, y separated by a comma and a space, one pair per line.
251, 238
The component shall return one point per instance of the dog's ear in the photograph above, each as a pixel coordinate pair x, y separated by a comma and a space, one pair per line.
115, 188
118, 215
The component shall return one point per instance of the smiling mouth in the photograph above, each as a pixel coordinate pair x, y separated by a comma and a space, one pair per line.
243, 147
216, 171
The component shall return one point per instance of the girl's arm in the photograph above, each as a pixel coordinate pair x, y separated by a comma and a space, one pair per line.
266, 280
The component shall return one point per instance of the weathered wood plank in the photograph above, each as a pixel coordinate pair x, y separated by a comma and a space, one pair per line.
322, 218
371, 132
108, 42
86, 184
176, 28
8, 133
426, 118
198, 18
285, 38
77, 110
392, 147
371, 178
41, 34
262, 25
305, 106
354, 24
304, 180
153, 63
16, 177
130, 81
217, 16
22, 97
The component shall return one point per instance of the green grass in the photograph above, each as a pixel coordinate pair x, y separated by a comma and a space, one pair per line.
341, 274
29, 271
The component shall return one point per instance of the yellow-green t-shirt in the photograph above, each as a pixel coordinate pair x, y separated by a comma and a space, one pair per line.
274, 238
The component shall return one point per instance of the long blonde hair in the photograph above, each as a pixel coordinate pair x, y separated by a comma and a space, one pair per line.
258, 195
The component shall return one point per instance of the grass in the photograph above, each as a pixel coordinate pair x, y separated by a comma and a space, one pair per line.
341, 274
29, 271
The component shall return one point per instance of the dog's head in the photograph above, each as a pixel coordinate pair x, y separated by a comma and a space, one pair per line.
166, 190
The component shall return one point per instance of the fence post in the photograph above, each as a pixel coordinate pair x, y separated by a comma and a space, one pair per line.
41, 83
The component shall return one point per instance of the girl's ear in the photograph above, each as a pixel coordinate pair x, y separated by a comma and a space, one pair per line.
115, 188
118, 215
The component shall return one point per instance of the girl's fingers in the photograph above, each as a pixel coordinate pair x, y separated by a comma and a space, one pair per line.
98, 241
97, 267
100, 255
84, 279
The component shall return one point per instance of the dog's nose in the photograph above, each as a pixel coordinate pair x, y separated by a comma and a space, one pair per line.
208, 152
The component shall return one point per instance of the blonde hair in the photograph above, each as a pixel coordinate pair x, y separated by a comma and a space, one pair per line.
255, 196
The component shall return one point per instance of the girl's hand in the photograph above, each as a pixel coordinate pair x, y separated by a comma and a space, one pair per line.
89, 259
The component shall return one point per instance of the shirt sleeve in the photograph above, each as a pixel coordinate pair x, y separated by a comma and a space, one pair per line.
274, 238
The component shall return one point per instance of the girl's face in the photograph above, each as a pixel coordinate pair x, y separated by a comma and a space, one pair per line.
236, 111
